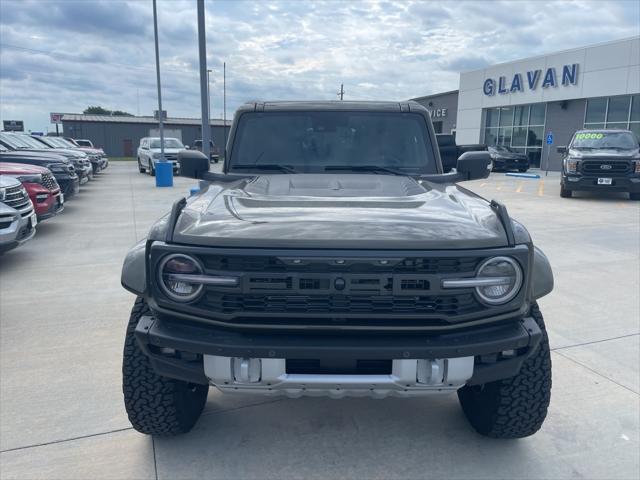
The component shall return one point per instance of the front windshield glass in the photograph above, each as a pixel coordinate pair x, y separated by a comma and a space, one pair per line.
604, 139
168, 143
33, 143
61, 142
324, 140
15, 141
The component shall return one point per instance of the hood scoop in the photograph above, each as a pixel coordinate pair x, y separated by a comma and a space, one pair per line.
331, 185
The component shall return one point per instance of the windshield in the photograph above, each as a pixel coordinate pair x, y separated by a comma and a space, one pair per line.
322, 141
16, 141
168, 143
83, 143
32, 142
604, 140
60, 142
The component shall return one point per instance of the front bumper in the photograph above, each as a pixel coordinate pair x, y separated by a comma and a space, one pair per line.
51, 208
206, 355
21, 230
629, 183
69, 185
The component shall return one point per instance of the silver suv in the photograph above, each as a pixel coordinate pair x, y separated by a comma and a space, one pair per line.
17, 218
149, 153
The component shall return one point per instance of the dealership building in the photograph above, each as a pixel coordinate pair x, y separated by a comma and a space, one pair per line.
524, 103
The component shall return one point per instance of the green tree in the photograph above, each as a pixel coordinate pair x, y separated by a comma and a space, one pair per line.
121, 113
96, 110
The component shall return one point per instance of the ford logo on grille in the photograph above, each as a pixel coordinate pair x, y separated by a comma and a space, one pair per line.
605, 167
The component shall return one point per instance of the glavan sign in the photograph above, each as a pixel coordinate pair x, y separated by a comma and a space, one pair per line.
531, 79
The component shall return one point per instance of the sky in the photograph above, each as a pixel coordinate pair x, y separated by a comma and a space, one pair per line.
64, 55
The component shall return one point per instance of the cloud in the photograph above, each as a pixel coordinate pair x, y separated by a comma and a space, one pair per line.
73, 53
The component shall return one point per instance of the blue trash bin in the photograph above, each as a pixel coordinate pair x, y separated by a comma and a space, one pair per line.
164, 174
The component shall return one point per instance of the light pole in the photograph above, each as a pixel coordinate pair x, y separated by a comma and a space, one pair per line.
204, 86
160, 119
209, 95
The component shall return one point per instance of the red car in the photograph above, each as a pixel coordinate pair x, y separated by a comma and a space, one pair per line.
41, 186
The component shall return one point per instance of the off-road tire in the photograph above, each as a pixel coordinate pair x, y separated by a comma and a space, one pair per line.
141, 169
156, 405
514, 407
634, 196
565, 193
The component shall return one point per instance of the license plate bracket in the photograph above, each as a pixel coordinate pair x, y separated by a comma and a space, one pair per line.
604, 181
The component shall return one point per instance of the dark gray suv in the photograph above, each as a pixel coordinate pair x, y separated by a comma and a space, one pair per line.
333, 257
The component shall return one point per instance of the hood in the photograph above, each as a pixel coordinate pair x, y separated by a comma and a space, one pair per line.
339, 211
39, 156
7, 181
609, 153
69, 153
20, 169
91, 151
167, 150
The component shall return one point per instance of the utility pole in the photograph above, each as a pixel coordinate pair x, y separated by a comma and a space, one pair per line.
204, 84
209, 94
224, 106
160, 119
341, 92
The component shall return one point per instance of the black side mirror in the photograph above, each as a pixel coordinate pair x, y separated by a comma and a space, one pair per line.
193, 164
561, 149
474, 165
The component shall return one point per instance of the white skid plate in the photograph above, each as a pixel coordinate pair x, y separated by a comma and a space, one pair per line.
268, 376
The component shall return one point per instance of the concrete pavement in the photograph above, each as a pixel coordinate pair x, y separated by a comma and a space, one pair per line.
63, 314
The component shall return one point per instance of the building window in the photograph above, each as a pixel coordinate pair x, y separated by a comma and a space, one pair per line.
614, 112
521, 128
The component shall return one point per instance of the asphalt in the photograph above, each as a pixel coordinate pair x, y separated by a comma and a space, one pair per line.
63, 315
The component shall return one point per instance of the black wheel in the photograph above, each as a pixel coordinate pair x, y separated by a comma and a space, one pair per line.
141, 169
215, 160
565, 193
634, 196
156, 405
152, 171
523, 169
514, 407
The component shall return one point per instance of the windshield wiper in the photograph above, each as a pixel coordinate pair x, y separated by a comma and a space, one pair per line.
265, 166
365, 168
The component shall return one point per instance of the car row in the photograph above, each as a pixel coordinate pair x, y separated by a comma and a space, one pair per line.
38, 174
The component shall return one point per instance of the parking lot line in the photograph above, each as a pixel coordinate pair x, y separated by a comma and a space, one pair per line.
541, 188
520, 187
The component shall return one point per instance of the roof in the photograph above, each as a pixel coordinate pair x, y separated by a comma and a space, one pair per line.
435, 95
331, 105
80, 117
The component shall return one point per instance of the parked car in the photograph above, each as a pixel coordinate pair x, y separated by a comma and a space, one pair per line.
23, 142
149, 153
98, 158
338, 260
83, 163
17, 219
506, 159
62, 170
41, 186
450, 151
601, 161
214, 151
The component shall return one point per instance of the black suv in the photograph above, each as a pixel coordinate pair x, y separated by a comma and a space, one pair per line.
60, 167
601, 161
333, 257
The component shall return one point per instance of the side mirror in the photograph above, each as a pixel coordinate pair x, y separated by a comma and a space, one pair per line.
474, 165
193, 164
561, 149
186, 147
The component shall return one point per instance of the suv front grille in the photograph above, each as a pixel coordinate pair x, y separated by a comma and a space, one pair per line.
606, 167
49, 182
17, 197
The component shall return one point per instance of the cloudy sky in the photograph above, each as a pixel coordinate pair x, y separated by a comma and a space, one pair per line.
63, 55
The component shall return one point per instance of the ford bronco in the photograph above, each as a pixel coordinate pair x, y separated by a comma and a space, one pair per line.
332, 256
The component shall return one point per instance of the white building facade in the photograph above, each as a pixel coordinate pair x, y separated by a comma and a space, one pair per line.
518, 104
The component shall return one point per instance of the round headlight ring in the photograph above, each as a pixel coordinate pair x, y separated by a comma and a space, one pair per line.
167, 291
517, 284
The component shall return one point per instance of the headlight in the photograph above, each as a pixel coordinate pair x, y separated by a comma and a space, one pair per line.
637, 167
37, 178
173, 276
571, 165
3, 193
497, 280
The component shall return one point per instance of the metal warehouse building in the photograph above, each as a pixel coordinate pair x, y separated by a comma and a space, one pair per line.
518, 104
120, 136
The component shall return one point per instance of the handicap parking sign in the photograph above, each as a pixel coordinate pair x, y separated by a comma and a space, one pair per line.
549, 138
